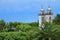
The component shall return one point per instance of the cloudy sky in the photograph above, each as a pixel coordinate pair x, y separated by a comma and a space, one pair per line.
26, 10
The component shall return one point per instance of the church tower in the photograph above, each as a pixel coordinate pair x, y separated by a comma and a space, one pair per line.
41, 17
45, 17
48, 15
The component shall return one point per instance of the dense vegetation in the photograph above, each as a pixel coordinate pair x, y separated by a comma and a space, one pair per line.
30, 31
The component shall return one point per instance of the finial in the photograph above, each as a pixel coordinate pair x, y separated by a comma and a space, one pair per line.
49, 7
42, 8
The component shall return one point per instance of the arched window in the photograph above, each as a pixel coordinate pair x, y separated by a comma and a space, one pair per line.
49, 19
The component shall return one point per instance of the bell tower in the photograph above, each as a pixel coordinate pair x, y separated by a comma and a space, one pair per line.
48, 15
41, 17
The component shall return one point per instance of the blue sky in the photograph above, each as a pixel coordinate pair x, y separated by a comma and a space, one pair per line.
26, 10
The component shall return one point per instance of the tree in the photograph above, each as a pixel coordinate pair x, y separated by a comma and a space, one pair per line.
2, 24
48, 33
23, 27
34, 24
12, 25
57, 19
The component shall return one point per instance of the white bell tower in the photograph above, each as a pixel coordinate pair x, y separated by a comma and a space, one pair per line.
41, 17
48, 17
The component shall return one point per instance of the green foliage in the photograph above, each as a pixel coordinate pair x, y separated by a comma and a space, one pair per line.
50, 32
23, 27
13, 24
34, 24
29, 35
57, 19
29, 31
2, 24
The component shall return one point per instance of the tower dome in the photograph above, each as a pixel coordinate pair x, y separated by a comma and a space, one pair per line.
41, 17
49, 8
49, 15
41, 11
49, 11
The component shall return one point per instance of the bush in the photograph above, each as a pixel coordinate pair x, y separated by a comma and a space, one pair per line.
29, 35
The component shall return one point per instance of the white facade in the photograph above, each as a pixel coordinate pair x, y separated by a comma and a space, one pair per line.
45, 17
48, 18
41, 19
